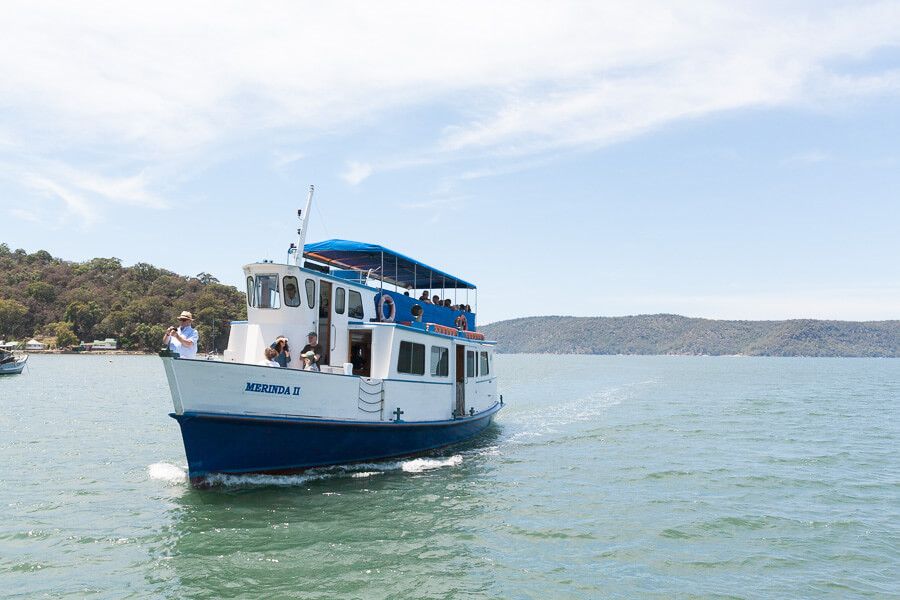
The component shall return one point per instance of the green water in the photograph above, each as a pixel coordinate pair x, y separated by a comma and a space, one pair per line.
604, 477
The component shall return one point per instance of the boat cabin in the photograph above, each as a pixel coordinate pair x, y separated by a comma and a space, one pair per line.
366, 303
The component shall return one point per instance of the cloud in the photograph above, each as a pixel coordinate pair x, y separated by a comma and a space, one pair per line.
115, 84
356, 172
806, 158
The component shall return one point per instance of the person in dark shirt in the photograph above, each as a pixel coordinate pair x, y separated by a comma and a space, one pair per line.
314, 347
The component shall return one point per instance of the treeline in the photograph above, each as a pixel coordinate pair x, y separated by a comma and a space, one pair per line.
674, 334
43, 296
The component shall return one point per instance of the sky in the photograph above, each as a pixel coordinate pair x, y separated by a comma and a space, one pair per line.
735, 160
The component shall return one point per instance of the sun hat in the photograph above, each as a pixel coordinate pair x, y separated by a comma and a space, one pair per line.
186, 315
308, 354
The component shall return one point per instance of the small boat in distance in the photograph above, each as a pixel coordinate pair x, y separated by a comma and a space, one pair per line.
11, 363
398, 375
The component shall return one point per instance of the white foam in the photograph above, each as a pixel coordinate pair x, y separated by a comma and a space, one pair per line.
355, 471
167, 472
417, 465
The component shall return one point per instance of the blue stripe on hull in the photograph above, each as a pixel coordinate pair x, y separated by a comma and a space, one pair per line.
217, 443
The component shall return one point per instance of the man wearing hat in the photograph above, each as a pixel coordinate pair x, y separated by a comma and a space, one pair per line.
184, 339
312, 350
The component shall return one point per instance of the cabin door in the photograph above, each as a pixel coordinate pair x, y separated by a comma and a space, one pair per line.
339, 348
460, 380
325, 321
361, 352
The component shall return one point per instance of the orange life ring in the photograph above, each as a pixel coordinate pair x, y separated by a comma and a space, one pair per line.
386, 301
462, 323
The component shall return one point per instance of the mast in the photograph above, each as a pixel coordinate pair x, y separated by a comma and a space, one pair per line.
303, 215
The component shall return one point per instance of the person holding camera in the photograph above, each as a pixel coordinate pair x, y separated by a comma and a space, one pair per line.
284, 351
183, 339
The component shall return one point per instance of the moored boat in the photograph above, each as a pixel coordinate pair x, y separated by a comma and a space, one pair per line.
398, 375
11, 363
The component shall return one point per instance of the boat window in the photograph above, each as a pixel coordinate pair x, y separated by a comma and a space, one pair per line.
411, 358
291, 291
339, 300
440, 361
355, 311
484, 370
250, 301
311, 292
470, 364
266, 293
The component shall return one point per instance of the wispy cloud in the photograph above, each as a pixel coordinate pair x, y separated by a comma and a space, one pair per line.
522, 80
356, 172
810, 157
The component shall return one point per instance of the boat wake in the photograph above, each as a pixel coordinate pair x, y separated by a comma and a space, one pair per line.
538, 423
172, 474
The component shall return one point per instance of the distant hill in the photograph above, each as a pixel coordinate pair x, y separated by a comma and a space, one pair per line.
674, 334
44, 296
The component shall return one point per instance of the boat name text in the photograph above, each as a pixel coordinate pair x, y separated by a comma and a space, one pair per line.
265, 388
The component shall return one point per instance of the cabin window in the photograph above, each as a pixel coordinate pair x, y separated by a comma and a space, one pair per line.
355, 311
484, 370
291, 291
311, 292
440, 361
339, 300
470, 364
266, 293
250, 301
412, 357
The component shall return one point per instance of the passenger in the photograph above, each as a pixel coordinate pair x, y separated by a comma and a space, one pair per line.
424, 297
447, 302
184, 339
436, 300
308, 358
291, 297
314, 347
282, 350
270, 353
468, 308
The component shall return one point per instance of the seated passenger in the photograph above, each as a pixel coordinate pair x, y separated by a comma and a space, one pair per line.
424, 297
447, 302
309, 361
270, 353
436, 300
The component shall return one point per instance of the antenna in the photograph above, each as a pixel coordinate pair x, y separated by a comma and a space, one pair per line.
303, 215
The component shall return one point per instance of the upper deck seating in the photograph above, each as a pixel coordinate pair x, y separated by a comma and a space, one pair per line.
430, 313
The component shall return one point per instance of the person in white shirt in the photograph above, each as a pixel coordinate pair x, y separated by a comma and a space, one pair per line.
184, 339
270, 361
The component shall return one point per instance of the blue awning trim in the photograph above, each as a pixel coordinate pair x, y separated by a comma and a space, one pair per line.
398, 267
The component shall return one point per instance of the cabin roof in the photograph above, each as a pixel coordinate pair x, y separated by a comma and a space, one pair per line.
398, 268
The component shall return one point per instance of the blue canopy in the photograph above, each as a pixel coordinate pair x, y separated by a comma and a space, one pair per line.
397, 268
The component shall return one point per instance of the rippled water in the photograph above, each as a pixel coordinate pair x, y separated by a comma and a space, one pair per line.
616, 477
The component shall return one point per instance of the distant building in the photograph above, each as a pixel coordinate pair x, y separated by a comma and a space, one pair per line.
33, 344
107, 344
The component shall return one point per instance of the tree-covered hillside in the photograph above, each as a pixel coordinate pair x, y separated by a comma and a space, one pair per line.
673, 334
45, 296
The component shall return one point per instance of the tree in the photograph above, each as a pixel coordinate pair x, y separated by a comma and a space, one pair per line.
206, 278
12, 316
65, 337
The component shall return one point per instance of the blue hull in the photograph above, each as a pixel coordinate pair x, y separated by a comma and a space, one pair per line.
233, 444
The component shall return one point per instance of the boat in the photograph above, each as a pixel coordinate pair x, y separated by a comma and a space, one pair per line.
12, 363
398, 376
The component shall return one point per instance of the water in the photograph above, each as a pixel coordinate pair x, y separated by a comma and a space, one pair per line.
605, 477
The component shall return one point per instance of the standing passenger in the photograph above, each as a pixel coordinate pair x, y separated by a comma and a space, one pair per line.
184, 339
